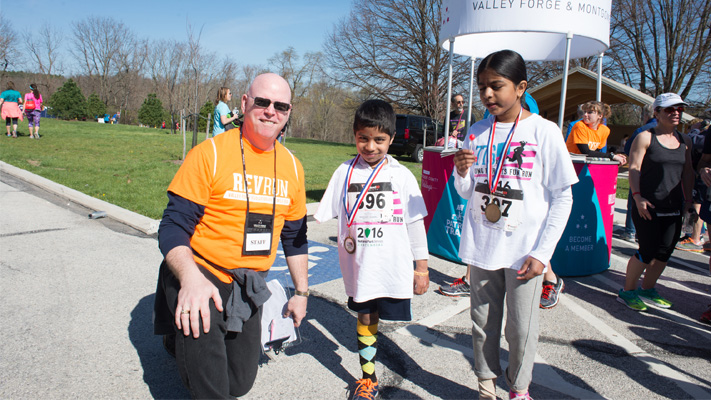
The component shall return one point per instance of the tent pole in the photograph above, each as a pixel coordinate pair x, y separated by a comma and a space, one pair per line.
561, 111
599, 77
471, 93
449, 94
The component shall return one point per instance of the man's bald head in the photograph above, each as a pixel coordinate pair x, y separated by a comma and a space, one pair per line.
271, 80
262, 124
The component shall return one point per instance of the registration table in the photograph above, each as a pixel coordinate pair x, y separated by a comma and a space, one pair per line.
586, 244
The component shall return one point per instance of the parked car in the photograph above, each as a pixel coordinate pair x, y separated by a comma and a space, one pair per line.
410, 133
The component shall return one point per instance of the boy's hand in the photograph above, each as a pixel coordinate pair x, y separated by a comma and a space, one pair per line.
422, 277
422, 283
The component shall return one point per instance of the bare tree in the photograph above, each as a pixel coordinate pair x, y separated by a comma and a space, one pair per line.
300, 75
166, 61
43, 47
661, 45
9, 54
128, 79
99, 44
390, 49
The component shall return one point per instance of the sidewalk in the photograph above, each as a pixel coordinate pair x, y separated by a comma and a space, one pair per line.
78, 296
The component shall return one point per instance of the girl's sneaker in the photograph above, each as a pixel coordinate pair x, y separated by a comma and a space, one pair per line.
517, 396
650, 296
459, 287
631, 300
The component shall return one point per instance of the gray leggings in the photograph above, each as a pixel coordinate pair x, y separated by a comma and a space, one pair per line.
489, 290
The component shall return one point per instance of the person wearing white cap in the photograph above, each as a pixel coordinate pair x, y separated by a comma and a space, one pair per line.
660, 161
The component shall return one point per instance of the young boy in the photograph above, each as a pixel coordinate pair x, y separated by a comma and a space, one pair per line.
380, 232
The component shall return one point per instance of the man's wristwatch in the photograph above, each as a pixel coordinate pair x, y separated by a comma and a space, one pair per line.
300, 293
611, 155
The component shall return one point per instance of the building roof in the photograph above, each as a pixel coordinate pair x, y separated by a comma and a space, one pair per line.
582, 87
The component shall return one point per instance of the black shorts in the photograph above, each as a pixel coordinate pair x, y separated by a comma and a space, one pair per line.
699, 191
657, 237
705, 212
10, 121
388, 308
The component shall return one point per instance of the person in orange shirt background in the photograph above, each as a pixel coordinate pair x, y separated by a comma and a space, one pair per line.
590, 135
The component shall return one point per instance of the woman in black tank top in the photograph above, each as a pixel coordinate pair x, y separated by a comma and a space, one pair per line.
661, 178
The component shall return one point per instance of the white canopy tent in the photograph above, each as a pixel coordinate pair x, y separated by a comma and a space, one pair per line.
539, 30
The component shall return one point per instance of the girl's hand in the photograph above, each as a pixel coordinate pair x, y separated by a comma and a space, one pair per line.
464, 159
531, 268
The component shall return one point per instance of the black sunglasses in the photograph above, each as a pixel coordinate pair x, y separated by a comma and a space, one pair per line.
264, 103
670, 110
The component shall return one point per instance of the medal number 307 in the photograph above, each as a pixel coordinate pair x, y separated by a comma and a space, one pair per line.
373, 200
505, 203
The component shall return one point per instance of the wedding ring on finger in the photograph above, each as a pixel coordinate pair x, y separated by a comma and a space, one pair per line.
185, 312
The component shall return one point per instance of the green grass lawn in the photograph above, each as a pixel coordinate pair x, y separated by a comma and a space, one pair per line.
623, 188
132, 167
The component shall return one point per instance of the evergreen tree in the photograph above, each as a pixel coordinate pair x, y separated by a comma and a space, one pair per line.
151, 111
207, 108
68, 102
95, 107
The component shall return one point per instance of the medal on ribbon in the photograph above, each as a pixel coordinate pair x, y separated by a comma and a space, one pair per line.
492, 210
349, 243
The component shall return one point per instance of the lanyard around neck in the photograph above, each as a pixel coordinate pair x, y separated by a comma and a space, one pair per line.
244, 174
495, 175
350, 214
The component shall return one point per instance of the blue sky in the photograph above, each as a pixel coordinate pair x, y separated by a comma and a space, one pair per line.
250, 31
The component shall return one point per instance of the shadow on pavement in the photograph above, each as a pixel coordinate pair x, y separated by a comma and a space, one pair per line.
341, 325
159, 370
616, 357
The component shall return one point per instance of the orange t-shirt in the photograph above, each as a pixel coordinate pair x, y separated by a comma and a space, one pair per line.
212, 176
583, 134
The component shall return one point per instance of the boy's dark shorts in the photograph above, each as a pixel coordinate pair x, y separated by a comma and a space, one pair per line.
388, 308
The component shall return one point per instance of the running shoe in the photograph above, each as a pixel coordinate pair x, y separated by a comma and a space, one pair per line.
365, 390
517, 396
628, 237
687, 244
631, 300
458, 288
650, 296
551, 293
706, 316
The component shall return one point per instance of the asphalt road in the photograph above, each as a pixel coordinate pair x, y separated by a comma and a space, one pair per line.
77, 295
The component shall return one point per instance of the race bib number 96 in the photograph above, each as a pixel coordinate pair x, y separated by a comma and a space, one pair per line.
377, 205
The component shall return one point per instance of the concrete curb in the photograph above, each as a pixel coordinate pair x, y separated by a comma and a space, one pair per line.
130, 218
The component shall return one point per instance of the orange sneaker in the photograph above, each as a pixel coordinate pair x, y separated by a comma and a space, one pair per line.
366, 390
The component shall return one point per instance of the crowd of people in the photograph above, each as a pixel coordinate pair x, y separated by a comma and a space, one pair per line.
220, 231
